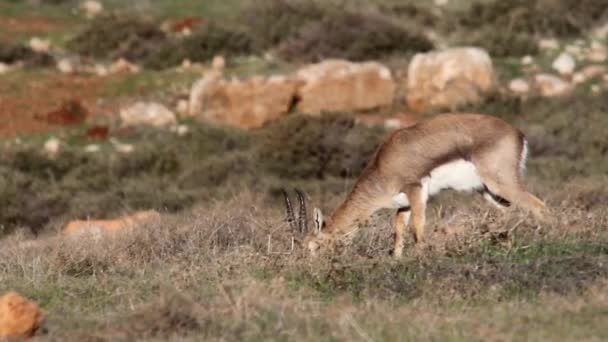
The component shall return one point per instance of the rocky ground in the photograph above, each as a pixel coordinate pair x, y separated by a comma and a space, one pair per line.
144, 147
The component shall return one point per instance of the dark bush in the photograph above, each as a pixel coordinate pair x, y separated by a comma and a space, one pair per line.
117, 36
207, 42
354, 36
271, 21
308, 147
501, 43
13, 53
546, 17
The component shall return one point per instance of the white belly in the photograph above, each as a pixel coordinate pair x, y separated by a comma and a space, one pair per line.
459, 175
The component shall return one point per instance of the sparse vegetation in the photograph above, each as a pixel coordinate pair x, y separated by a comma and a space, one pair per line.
220, 265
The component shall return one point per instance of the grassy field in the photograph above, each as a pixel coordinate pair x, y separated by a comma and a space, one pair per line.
220, 264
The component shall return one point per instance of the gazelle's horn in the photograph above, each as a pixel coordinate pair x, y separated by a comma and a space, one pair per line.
291, 219
302, 217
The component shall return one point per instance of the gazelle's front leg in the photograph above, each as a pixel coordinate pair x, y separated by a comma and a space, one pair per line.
417, 196
402, 218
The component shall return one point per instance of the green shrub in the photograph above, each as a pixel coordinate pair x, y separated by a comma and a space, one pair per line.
354, 36
271, 21
207, 42
307, 147
116, 36
502, 43
546, 17
13, 53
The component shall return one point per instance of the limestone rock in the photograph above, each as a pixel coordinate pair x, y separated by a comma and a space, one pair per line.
339, 85
519, 86
19, 317
98, 228
242, 103
564, 64
448, 78
147, 113
551, 85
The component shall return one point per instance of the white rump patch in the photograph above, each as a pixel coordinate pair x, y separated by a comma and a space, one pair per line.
523, 158
459, 175
400, 200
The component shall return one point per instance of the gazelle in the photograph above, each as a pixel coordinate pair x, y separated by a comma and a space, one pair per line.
463, 152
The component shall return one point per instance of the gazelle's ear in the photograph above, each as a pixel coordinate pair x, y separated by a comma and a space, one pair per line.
318, 218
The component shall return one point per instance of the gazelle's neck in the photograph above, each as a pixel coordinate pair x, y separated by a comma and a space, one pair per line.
358, 205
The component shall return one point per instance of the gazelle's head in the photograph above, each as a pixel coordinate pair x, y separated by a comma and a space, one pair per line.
313, 240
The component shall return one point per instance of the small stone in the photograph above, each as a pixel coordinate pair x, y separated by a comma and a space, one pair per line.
597, 55
548, 44
182, 130
182, 106
596, 89
147, 113
564, 64
578, 78
122, 147
66, 66
551, 85
51, 146
218, 63
91, 9
40, 45
519, 85
101, 70
527, 60
4, 68
19, 317
593, 71
92, 148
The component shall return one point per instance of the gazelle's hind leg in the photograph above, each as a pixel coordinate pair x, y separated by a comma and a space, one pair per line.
402, 218
501, 169
498, 202
418, 197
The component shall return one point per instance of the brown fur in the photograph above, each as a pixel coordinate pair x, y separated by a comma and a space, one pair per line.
408, 155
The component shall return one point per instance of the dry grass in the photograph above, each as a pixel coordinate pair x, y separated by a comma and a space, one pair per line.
212, 274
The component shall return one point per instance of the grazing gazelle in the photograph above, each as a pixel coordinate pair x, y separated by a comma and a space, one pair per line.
463, 152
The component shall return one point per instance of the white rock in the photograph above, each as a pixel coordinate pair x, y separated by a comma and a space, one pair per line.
40, 45
218, 63
596, 89
519, 85
597, 55
551, 85
101, 70
182, 106
196, 104
448, 78
122, 147
92, 148
578, 78
574, 50
66, 66
548, 44
593, 71
52, 145
441, 2
91, 8
147, 113
564, 64
4, 68
123, 65
527, 60
601, 32
182, 130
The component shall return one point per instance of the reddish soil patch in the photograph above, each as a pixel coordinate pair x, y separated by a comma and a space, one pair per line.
30, 25
47, 101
